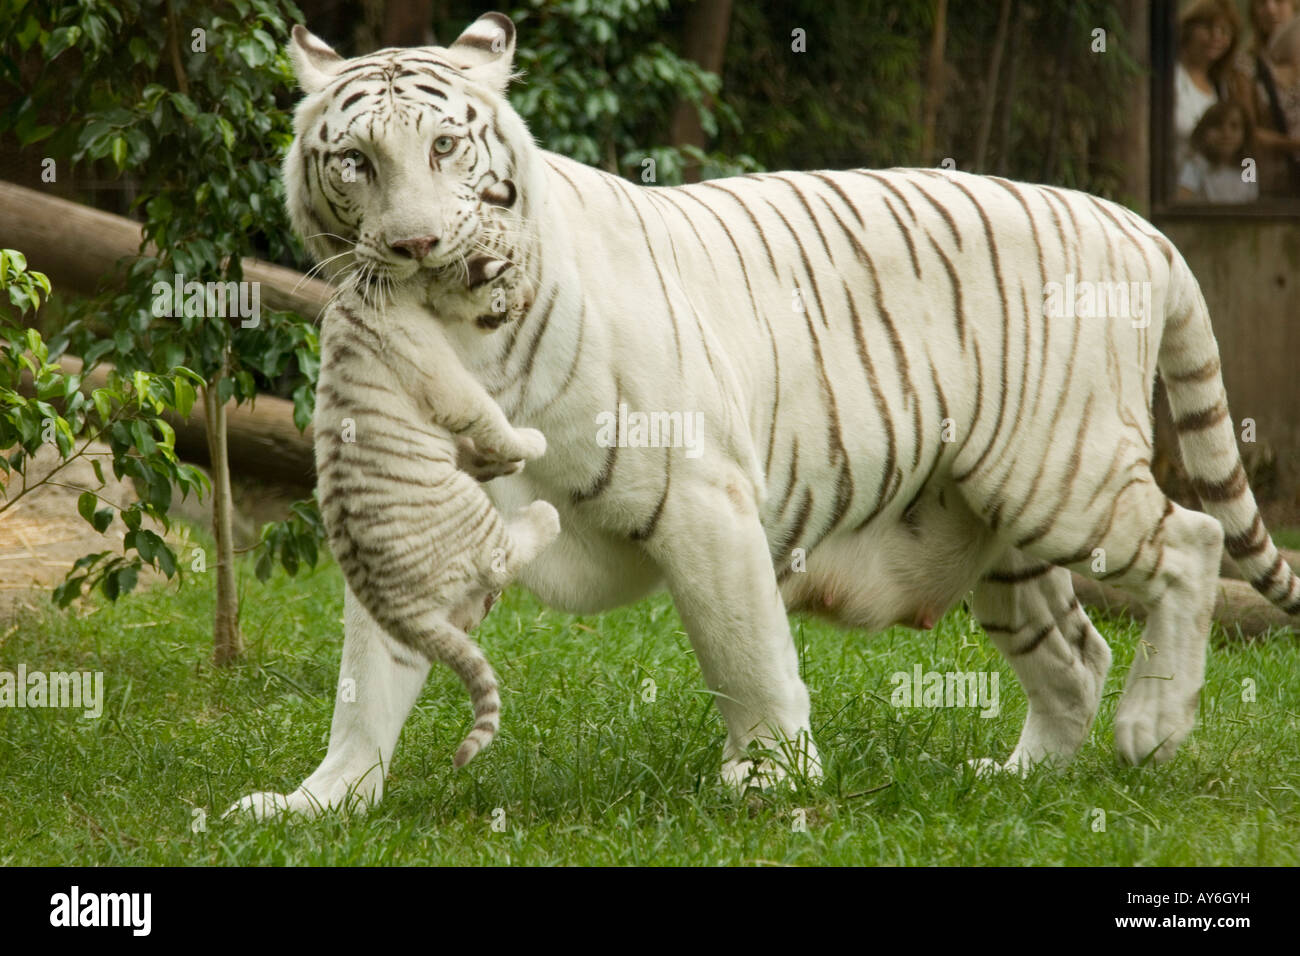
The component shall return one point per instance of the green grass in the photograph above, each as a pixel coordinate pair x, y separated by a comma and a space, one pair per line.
1286, 537
587, 772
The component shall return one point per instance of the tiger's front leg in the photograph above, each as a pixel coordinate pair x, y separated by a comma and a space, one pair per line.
379, 682
712, 548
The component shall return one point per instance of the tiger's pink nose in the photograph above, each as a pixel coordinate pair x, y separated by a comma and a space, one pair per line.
416, 248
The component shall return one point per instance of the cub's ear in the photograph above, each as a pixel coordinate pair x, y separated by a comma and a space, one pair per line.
486, 50
314, 62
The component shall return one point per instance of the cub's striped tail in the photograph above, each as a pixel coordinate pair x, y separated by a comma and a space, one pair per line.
469, 664
1189, 365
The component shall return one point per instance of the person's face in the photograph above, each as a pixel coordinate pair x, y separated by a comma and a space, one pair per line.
1268, 15
1225, 139
1220, 39
1210, 40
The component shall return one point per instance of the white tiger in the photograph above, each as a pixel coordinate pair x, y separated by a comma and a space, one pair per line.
891, 419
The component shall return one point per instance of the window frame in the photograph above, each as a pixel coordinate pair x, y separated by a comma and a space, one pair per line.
1164, 42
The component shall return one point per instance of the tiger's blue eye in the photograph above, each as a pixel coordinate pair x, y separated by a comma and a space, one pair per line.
444, 145
356, 158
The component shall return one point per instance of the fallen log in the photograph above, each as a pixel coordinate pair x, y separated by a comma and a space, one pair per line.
78, 247
1237, 606
1228, 567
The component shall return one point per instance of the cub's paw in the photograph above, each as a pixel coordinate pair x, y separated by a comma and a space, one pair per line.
529, 444
482, 465
545, 520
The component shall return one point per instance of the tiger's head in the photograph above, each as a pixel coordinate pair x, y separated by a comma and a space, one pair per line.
404, 164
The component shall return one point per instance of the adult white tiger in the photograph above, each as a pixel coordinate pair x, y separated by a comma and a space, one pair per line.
880, 387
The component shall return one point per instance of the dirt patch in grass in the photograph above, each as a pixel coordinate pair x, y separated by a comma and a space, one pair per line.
42, 535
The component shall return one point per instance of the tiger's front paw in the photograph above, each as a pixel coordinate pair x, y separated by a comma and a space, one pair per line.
779, 763
343, 794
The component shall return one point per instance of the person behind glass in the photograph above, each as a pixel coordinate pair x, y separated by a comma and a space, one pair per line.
1284, 64
1221, 141
1253, 83
1207, 39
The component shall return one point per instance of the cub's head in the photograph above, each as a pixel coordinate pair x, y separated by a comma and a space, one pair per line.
405, 163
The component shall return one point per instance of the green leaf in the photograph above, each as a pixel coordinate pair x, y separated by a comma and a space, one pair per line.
103, 403
141, 52
86, 506
184, 397
60, 39
185, 106
303, 406
264, 565
119, 151
146, 543
102, 519
142, 437
166, 560
97, 351
88, 560
68, 591
168, 433
127, 578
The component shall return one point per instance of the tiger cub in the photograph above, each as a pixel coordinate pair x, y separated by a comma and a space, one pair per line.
421, 546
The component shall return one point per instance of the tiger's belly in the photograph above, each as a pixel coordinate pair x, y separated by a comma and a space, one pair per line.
901, 569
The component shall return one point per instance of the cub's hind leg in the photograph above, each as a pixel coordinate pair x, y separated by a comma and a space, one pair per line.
529, 532
1029, 611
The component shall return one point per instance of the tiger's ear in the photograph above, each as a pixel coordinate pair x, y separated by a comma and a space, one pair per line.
486, 50
314, 62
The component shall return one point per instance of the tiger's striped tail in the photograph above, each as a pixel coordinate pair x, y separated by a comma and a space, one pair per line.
1189, 364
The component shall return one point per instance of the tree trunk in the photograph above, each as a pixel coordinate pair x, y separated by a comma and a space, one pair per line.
934, 75
1125, 145
706, 26
1009, 94
991, 87
227, 644
1062, 70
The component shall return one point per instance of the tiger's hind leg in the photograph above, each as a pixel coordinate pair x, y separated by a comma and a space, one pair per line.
1176, 574
1167, 558
1029, 611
